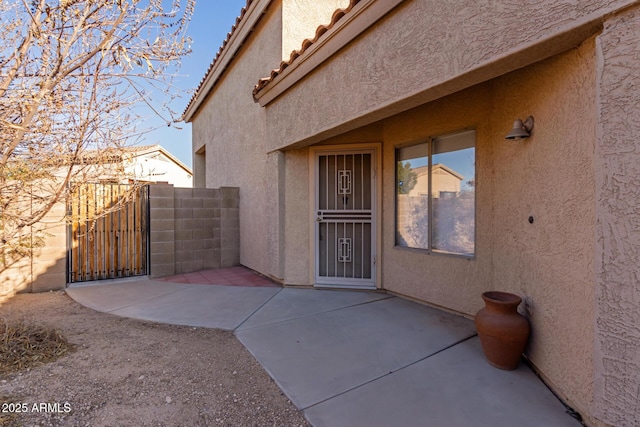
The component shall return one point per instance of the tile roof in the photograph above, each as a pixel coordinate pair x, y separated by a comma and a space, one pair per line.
337, 15
115, 154
239, 19
137, 148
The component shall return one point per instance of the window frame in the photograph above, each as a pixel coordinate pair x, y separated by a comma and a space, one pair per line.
429, 141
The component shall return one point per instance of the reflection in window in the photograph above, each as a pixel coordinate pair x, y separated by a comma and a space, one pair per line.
435, 201
412, 203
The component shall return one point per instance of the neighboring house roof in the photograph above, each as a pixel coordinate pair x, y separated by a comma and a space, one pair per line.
337, 15
148, 149
421, 170
115, 155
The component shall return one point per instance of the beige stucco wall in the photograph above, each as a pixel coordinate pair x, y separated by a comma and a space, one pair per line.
551, 178
301, 18
49, 262
45, 269
436, 51
617, 270
232, 127
297, 217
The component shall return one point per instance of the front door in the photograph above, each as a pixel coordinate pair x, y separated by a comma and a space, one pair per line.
344, 229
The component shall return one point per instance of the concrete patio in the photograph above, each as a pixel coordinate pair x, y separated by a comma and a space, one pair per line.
348, 358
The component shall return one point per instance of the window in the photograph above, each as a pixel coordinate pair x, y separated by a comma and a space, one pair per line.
435, 194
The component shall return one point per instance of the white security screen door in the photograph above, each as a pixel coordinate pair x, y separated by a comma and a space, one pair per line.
344, 238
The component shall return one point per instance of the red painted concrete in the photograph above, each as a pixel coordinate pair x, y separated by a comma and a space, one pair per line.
233, 276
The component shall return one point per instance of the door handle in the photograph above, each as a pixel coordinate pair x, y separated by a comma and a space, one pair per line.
319, 219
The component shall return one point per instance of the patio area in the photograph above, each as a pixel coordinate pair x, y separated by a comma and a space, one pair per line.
347, 358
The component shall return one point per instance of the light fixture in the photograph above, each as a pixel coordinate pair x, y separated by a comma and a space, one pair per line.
521, 129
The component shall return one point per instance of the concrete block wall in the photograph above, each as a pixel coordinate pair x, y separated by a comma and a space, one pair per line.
162, 230
229, 226
193, 229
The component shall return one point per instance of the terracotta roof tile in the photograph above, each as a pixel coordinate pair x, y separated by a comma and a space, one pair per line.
337, 15
239, 19
114, 154
136, 148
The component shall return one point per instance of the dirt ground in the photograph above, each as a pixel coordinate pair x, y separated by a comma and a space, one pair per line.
127, 372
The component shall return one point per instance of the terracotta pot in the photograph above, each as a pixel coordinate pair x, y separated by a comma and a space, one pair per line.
502, 330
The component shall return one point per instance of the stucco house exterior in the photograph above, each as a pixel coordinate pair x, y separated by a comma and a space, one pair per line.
309, 107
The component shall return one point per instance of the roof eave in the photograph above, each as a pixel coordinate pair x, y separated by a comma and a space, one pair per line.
236, 38
346, 24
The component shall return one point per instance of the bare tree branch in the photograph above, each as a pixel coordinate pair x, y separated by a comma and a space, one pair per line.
73, 74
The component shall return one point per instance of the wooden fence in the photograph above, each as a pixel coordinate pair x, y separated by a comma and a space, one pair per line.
108, 231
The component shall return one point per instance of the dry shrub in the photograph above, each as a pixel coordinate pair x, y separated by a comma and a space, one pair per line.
24, 345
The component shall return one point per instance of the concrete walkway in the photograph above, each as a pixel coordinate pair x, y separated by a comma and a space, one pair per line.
350, 358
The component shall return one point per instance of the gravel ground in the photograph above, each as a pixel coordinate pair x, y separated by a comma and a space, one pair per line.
126, 372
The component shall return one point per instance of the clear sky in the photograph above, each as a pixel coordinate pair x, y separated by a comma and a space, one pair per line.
209, 26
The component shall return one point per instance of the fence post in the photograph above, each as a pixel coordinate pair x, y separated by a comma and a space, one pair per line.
161, 230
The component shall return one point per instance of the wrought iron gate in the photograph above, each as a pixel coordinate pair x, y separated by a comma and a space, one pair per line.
344, 219
107, 232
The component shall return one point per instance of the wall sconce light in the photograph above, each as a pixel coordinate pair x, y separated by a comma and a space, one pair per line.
521, 129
